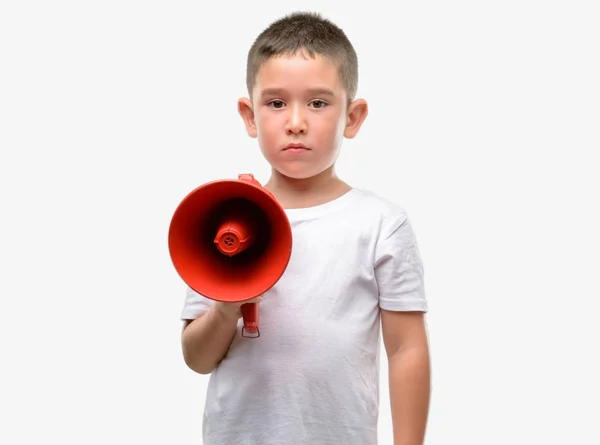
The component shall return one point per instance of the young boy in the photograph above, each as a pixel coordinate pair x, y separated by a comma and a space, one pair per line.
312, 376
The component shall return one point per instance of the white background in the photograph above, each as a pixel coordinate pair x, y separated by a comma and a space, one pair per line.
484, 125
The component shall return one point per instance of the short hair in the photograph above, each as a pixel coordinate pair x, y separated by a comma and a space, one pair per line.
308, 32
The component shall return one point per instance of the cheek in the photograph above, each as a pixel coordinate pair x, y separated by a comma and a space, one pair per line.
328, 129
267, 125
267, 132
269, 137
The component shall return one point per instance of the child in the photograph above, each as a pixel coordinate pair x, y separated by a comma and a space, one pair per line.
312, 375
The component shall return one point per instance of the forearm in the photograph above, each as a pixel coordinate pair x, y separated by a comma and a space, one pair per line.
206, 340
409, 377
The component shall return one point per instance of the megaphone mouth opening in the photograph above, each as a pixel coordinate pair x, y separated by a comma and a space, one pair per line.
214, 269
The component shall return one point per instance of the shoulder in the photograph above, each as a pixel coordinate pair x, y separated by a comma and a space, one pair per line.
377, 207
389, 222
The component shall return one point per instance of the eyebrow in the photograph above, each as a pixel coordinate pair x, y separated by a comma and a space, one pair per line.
311, 91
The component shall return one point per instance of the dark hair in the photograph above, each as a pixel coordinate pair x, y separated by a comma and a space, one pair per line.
309, 32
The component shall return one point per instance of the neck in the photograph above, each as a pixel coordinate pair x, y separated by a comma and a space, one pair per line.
297, 193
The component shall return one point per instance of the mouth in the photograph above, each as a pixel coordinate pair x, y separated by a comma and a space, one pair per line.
295, 147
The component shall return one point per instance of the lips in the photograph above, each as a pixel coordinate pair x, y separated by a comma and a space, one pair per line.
295, 147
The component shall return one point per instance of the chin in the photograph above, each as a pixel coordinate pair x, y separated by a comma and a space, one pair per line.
298, 173
294, 174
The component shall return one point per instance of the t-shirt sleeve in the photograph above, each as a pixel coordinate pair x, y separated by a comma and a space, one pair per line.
194, 305
398, 267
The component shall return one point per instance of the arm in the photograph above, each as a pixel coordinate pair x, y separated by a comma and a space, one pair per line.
406, 344
206, 340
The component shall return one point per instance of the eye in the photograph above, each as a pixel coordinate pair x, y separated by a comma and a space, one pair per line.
317, 103
276, 104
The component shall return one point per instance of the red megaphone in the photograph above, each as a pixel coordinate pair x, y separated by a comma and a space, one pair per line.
230, 240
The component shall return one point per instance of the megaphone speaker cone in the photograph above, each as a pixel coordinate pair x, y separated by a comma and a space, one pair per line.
230, 240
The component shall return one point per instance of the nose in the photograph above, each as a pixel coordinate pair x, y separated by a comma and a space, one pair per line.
296, 122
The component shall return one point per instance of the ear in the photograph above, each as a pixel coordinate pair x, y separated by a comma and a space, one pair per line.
357, 112
247, 113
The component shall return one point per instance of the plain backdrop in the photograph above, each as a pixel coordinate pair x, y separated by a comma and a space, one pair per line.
484, 125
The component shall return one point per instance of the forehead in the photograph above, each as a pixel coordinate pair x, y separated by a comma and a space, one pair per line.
298, 73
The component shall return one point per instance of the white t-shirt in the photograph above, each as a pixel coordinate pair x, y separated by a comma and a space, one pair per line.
312, 377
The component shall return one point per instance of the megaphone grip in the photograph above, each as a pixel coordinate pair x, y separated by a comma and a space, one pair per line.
250, 317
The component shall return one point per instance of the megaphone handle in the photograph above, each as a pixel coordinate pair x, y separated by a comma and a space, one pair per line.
249, 177
250, 316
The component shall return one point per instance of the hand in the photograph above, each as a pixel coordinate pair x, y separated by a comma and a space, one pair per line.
233, 311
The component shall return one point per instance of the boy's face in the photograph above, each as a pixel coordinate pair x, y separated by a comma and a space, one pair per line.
300, 100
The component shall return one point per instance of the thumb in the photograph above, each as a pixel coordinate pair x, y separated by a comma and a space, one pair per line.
256, 300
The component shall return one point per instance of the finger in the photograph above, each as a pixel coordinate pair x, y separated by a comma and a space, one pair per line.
255, 300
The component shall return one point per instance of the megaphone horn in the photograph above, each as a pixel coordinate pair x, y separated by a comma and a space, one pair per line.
230, 240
